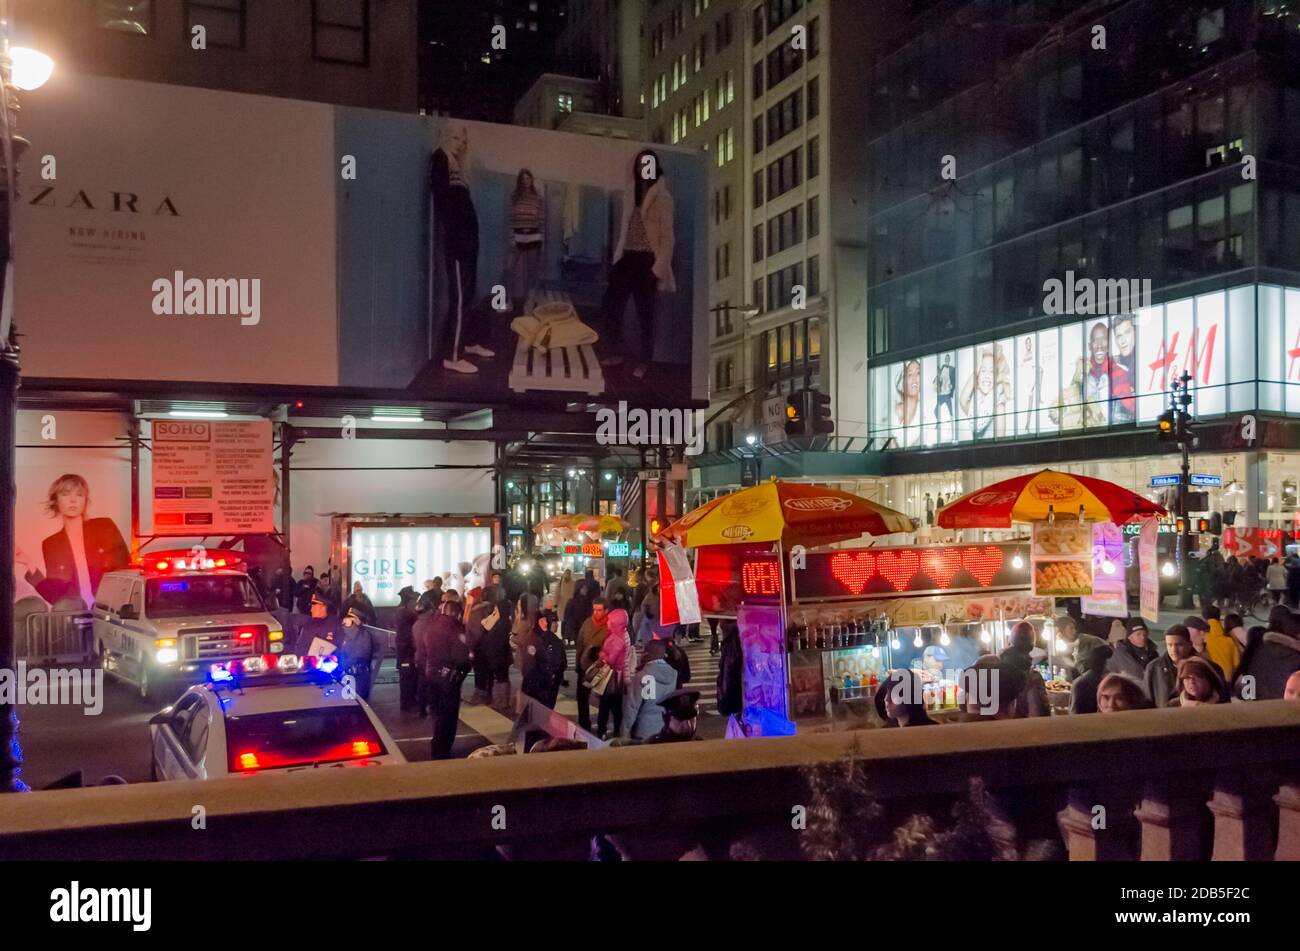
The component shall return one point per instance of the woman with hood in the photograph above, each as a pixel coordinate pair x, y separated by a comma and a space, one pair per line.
643, 260
1273, 660
617, 652
655, 679
1199, 683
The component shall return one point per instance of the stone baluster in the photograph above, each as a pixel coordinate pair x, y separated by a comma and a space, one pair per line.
1288, 821
1171, 813
1242, 816
1098, 824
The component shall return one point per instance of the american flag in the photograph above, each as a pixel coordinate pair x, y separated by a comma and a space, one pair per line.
629, 494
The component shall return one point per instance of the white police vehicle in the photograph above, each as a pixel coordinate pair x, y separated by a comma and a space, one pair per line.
162, 622
276, 712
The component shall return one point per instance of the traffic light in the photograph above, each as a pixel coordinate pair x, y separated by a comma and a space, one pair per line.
1216, 524
795, 418
1167, 426
1202, 526
1180, 525
819, 412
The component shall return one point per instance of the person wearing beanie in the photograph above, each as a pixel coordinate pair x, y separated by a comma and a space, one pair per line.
1134, 653
654, 680
618, 654
1003, 682
1199, 683
542, 660
1032, 700
1161, 676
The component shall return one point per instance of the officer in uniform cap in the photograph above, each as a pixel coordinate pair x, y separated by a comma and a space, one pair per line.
322, 627
681, 709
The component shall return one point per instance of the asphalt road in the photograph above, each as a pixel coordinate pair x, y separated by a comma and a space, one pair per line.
59, 740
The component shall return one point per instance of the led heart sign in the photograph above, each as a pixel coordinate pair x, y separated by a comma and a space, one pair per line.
887, 572
899, 567
853, 570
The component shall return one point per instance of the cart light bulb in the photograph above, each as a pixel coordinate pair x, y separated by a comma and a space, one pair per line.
1061, 646
1108, 567
986, 637
894, 643
1017, 562
917, 642
944, 639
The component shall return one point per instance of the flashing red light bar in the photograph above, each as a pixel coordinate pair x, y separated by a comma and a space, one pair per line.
351, 750
182, 559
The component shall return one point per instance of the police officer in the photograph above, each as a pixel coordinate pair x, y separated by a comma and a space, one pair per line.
443, 653
358, 653
407, 676
321, 626
681, 711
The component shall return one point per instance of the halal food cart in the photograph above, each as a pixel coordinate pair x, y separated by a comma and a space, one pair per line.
820, 632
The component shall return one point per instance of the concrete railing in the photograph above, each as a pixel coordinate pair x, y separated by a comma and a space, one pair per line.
1162, 777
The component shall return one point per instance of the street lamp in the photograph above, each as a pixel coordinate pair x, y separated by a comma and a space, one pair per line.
751, 440
20, 69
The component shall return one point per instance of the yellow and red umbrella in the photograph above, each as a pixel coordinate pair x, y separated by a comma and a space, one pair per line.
576, 527
1036, 496
793, 512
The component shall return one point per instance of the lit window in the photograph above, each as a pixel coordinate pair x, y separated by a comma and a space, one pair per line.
564, 102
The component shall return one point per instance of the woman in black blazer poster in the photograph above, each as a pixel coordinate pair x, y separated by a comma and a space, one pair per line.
80, 552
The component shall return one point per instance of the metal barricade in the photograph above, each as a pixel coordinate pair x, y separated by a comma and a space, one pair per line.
55, 637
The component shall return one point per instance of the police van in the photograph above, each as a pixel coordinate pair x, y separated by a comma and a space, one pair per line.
161, 623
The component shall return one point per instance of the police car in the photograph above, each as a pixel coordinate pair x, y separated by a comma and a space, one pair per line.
162, 622
276, 712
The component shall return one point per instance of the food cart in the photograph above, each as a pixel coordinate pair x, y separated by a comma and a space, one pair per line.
820, 631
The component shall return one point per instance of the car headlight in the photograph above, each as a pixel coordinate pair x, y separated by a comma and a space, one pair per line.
166, 655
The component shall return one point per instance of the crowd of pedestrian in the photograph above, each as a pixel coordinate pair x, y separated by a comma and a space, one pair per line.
1237, 581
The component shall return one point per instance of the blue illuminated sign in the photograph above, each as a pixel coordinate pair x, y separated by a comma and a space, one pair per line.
1157, 481
618, 549
173, 586
1209, 480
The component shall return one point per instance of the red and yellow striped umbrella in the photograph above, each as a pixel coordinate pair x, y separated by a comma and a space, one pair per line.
794, 512
1033, 497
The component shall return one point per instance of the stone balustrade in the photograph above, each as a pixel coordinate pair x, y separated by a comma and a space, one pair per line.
1221, 782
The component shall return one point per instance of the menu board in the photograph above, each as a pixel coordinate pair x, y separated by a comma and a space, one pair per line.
1109, 596
1149, 572
1061, 554
762, 639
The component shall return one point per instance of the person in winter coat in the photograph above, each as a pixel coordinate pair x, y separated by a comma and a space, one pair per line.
648, 625
1080, 643
564, 591
1134, 653
542, 660
731, 671
492, 655
361, 601
282, 585
1032, 700
408, 679
617, 591
1271, 664
322, 633
1275, 577
361, 652
1199, 683
899, 700
679, 661
655, 679
1293, 584
443, 654
1161, 676
1223, 646
591, 638
617, 652
576, 611
1117, 693
304, 589
1092, 668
